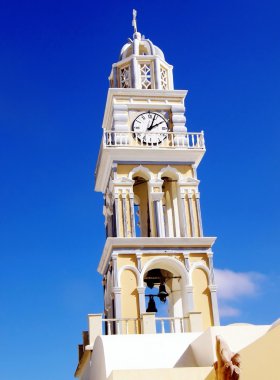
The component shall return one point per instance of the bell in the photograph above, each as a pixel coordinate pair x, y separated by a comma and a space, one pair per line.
151, 305
150, 283
162, 294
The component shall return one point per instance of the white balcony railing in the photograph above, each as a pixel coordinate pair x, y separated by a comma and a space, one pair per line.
123, 326
114, 326
189, 140
171, 324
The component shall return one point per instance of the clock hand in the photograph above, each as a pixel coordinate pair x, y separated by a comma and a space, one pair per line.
153, 126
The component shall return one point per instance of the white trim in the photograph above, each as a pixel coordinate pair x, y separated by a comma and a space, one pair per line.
152, 243
170, 169
200, 265
141, 169
172, 262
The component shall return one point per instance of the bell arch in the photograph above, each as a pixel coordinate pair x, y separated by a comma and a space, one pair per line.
169, 171
176, 285
140, 171
142, 207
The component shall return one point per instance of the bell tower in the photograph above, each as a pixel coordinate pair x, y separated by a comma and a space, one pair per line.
155, 255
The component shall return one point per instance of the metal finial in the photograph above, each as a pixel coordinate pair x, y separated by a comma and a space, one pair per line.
134, 23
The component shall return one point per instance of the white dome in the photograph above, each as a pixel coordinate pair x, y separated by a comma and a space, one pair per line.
146, 47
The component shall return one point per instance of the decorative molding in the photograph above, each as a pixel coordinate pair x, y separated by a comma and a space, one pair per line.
164, 262
141, 169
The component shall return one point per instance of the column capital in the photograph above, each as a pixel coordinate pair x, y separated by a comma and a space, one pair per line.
138, 253
190, 194
212, 288
157, 196
117, 290
141, 289
189, 288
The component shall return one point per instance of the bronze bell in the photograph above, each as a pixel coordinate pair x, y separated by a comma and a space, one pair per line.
162, 294
151, 305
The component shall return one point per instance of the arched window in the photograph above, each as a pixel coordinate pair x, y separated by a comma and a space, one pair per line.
141, 207
170, 207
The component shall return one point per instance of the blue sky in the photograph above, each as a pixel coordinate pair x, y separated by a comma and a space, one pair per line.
55, 60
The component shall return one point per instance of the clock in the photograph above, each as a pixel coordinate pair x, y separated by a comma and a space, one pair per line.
150, 128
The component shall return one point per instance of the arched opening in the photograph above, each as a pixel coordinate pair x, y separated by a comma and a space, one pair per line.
170, 206
172, 274
141, 207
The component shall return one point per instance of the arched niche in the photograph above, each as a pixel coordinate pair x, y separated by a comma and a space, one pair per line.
141, 204
202, 296
129, 299
170, 204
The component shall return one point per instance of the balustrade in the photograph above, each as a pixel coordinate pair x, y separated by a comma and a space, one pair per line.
189, 140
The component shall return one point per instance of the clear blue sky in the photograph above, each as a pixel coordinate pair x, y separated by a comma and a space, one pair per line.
55, 60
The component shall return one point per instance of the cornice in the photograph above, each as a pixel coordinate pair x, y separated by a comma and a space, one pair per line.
182, 243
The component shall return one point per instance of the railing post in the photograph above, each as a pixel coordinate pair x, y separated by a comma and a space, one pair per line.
148, 323
94, 326
195, 321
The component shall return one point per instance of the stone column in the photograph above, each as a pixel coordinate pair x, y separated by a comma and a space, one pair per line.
215, 309
183, 213
134, 73
141, 297
132, 216
190, 194
124, 215
157, 74
115, 270
158, 213
117, 298
188, 289
197, 200
117, 217
211, 267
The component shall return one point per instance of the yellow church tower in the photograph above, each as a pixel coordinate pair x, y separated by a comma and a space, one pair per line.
161, 318
147, 171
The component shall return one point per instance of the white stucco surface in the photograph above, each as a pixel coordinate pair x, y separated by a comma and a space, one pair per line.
162, 351
116, 352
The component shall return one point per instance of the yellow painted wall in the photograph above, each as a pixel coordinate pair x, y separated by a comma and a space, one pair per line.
123, 260
146, 258
129, 299
194, 257
260, 360
202, 298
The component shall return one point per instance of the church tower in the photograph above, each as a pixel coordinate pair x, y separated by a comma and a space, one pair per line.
147, 171
160, 318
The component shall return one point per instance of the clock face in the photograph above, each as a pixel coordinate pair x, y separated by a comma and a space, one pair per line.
150, 128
